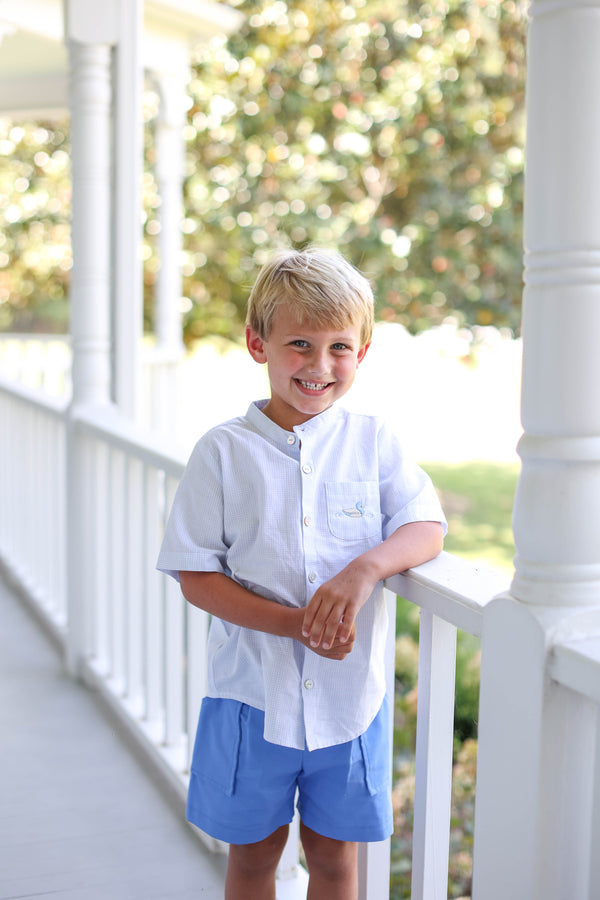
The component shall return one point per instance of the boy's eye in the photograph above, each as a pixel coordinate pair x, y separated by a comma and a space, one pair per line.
299, 343
339, 346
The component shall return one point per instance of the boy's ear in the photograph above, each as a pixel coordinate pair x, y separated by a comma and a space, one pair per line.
255, 345
361, 354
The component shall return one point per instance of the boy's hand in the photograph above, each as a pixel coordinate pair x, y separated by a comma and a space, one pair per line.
329, 617
330, 614
338, 649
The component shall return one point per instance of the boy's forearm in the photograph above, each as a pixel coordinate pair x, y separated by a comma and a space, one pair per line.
221, 596
409, 546
331, 613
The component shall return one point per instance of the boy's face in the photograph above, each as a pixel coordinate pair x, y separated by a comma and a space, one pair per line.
309, 367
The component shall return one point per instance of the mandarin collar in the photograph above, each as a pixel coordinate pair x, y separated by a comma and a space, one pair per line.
270, 429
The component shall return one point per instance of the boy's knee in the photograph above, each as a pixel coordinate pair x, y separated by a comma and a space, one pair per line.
334, 859
261, 856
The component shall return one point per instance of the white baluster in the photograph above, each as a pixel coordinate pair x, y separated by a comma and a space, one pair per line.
433, 763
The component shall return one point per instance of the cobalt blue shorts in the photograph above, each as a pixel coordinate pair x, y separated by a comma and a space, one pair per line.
242, 788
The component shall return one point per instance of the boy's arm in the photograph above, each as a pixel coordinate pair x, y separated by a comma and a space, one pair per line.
329, 617
221, 596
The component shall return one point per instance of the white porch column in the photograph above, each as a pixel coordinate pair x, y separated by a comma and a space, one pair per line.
162, 361
127, 204
537, 739
169, 176
90, 32
91, 177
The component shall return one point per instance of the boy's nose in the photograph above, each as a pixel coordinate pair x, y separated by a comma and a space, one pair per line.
318, 363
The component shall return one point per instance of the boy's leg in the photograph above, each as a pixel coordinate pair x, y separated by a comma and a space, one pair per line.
332, 866
251, 867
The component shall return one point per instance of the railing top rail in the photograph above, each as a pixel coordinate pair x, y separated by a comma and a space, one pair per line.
107, 423
41, 337
36, 397
455, 589
576, 664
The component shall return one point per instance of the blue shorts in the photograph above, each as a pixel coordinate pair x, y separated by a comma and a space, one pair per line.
242, 788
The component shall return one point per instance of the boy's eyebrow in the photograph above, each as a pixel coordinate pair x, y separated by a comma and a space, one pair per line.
340, 338
310, 329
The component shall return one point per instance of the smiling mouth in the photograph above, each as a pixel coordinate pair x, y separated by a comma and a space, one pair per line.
313, 386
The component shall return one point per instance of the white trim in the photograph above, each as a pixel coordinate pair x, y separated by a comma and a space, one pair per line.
41, 17
127, 306
193, 19
96, 23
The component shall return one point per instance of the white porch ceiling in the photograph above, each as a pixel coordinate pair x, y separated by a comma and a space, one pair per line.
34, 58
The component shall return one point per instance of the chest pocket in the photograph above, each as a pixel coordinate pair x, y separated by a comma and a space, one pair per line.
353, 509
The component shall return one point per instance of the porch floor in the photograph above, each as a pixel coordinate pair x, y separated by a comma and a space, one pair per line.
79, 817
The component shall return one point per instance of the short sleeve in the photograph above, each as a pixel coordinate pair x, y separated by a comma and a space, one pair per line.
193, 539
407, 492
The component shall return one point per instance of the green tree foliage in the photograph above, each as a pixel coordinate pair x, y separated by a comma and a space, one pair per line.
35, 245
390, 129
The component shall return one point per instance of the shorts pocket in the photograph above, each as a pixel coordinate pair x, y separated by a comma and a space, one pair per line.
353, 510
218, 740
375, 748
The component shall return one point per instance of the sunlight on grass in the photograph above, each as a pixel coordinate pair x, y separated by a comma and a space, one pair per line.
477, 498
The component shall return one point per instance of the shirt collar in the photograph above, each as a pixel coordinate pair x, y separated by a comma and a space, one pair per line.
273, 431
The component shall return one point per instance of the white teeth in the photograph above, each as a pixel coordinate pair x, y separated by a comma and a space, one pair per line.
312, 385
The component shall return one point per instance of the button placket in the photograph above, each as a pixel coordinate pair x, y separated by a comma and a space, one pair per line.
307, 470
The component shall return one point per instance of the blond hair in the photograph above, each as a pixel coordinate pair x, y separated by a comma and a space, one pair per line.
319, 286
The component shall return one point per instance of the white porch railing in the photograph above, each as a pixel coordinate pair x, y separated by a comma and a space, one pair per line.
38, 361
84, 499
44, 361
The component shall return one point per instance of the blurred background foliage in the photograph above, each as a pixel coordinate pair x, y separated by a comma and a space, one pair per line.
390, 129
35, 234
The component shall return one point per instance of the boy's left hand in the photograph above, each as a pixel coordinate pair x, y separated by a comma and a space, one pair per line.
335, 604
331, 613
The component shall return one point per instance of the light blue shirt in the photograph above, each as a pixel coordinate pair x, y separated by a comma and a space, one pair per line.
281, 513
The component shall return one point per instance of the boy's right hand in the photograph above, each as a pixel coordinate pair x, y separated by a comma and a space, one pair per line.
221, 596
338, 650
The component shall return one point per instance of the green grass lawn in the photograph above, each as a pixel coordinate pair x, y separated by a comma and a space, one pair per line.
477, 498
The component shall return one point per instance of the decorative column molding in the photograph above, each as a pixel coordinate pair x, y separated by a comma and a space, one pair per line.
537, 740
557, 506
169, 175
90, 33
90, 100
91, 23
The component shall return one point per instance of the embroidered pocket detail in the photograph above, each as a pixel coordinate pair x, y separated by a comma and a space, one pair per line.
353, 509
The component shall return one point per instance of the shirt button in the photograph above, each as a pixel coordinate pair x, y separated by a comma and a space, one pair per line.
307, 469
291, 439
312, 577
309, 684
307, 520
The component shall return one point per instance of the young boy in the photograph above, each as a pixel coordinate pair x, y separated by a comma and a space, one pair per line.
283, 528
